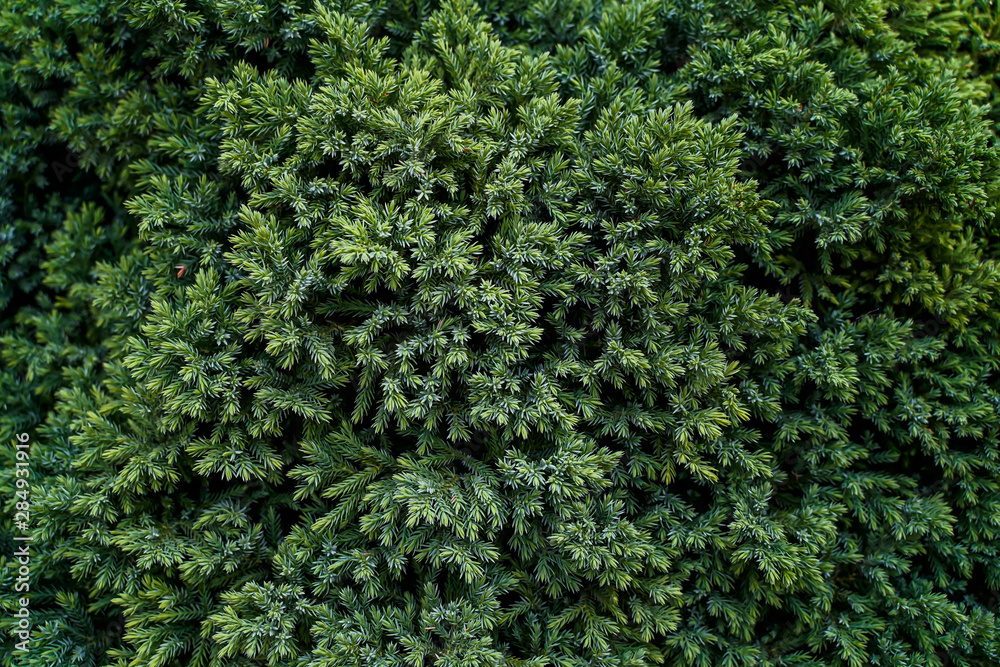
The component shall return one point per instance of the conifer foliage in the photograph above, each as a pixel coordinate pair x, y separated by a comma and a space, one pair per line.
521, 334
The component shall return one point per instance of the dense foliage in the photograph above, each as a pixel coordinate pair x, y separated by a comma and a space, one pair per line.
529, 333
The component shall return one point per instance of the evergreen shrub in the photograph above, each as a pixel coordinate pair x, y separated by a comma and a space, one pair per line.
528, 333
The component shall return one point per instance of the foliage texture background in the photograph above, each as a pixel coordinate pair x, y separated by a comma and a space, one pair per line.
523, 333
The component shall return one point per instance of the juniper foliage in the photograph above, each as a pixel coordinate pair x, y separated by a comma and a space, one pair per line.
523, 333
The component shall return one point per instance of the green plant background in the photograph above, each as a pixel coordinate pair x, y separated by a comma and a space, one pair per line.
556, 333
